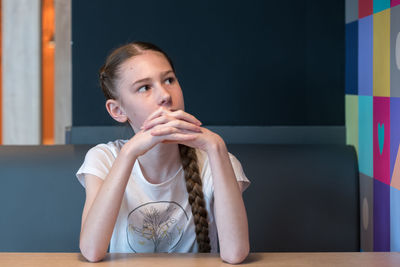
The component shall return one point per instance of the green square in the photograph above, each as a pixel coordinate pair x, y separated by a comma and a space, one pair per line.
352, 120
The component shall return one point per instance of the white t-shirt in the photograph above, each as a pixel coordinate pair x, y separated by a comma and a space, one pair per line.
156, 217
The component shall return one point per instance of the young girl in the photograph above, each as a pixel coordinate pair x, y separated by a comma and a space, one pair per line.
172, 187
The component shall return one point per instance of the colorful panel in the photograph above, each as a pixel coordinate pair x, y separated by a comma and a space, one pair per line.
365, 141
351, 10
395, 51
394, 3
394, 219
364, 8
352, 121
378, 92
395, 180
351, 86
367, 212
365, 55
381, 138
381, 68
380, 5
381, 216
394, 130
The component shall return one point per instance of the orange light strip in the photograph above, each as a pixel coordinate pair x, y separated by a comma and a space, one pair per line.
48, 30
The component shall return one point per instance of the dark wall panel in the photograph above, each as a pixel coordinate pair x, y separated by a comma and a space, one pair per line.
238, 62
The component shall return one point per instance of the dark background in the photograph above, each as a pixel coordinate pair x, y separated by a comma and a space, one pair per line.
250, 62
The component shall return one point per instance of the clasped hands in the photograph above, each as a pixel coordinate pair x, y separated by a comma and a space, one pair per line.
179, 127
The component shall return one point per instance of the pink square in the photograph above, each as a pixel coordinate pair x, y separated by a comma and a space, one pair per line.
381, 139
394, 3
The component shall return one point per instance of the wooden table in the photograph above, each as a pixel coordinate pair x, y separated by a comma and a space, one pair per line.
363, 259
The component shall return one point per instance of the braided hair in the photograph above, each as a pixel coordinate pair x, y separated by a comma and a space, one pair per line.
196, 197
108, 76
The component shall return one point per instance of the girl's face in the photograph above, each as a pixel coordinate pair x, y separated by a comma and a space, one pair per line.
146, 83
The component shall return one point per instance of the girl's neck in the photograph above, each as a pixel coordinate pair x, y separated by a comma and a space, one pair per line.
160, 163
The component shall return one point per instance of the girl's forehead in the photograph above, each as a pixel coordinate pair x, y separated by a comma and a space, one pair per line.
145, 63
150, 64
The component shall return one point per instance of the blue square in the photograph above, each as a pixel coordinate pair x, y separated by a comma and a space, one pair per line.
365, 56
394, 219
351, 83
394, 131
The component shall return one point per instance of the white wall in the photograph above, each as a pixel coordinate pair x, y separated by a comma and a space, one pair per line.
21, 97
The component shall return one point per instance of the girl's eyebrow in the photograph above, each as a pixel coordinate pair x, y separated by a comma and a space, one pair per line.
148, 79
166, 72
141, 80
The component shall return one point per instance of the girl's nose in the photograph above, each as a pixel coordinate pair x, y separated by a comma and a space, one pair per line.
164, 97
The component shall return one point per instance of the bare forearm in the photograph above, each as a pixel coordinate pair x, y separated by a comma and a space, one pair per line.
230, 211
97, 227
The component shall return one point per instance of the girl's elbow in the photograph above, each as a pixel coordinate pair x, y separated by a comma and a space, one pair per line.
92, 254
235, 257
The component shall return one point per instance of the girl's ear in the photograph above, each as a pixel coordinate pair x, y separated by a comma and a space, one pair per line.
115, 110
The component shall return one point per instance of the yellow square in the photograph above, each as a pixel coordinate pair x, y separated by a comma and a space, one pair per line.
352, 120
381, 68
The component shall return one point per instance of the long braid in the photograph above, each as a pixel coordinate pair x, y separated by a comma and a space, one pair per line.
196, 197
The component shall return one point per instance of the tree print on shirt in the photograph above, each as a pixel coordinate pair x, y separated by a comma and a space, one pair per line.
156, 226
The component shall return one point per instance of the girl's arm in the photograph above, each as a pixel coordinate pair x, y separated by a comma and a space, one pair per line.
103, 202
104, 198
230, 212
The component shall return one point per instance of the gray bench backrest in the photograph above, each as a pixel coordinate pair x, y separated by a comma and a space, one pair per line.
41, 201
302, 198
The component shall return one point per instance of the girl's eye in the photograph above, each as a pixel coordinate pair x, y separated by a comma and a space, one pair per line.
169, 80
143, 88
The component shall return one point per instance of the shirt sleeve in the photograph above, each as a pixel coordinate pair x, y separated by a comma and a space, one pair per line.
208, 186
239, 173
98, 161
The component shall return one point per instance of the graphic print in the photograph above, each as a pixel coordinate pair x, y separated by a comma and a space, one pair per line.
156, 227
